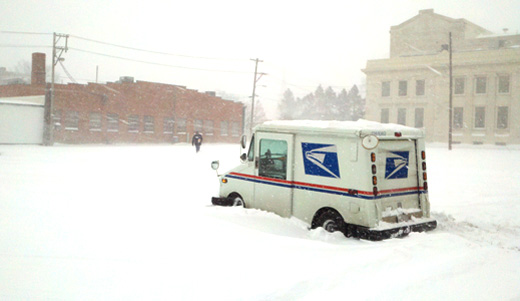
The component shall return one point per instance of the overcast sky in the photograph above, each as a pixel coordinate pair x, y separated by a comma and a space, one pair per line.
302, 43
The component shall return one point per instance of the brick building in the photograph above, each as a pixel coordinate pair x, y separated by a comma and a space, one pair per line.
129, 111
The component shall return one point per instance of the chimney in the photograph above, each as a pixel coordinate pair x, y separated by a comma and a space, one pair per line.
38, 69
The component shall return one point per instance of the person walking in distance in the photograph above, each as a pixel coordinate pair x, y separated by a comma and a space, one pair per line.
197, 141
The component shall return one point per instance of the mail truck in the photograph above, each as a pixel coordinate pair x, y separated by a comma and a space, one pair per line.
365, 179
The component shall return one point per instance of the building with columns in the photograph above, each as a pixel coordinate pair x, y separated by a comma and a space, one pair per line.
412, 87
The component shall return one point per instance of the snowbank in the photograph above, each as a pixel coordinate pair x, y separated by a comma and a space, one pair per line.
135, 222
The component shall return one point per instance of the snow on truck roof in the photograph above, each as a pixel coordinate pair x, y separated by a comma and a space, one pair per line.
349, 128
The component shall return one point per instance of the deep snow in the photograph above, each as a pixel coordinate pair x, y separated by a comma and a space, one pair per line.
135, 222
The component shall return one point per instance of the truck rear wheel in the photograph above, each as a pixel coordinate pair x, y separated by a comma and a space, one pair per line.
330, 220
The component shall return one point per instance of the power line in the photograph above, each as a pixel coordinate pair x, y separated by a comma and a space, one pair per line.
156, 52
24, 32
67, 72
157, 64
24, 46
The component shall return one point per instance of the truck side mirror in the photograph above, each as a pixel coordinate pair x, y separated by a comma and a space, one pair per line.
243, 157
215, 165
243, 141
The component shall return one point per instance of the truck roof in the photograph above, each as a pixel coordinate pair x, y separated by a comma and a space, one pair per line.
358, 128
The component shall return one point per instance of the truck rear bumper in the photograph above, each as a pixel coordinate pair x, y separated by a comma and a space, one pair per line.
400, 230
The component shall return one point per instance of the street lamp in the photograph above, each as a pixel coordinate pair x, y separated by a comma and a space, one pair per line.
450, 129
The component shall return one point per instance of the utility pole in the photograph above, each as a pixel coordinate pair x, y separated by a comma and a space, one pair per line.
451, 98
57, 51
256, 79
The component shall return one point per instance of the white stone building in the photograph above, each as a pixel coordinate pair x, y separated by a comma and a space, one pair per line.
412, 86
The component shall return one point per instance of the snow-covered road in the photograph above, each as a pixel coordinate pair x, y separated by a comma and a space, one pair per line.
135, 222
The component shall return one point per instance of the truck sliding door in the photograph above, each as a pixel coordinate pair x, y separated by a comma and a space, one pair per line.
274, 173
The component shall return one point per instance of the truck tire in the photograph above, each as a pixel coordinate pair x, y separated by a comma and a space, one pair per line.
237, 201
330, 220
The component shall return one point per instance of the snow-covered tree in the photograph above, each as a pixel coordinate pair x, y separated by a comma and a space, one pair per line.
287, 106
357, 103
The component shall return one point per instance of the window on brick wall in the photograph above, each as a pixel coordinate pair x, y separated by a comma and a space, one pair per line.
235, 129
459, 84
502, 117
133, 124
149, 124
71, 120
56, 119
208, 127
385, 89
94, 122
385, 115
503, 84
181, 126
168, 124
480, 85
112, 122
401, 116
458, 117
197, 125
403, 88
480, 117
419, 87
223, 128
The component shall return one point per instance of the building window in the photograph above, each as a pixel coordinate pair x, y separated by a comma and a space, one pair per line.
403, 88
168, 124
223, 128
480, 117
385, 115
419, 117
197, 125
56, 119
459, 85
385, 89
149, 124
72, 121
133, 124
112, 122
502, 117
235, 129
419, 87
503, 84
480, 85
95, 122
181, 126
458, 118
208, 127
401, 116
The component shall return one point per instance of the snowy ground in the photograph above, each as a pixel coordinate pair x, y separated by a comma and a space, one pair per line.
135, 222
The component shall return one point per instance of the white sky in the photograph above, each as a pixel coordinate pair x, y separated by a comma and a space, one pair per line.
305, 43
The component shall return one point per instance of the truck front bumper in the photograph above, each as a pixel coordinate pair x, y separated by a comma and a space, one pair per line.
218, 201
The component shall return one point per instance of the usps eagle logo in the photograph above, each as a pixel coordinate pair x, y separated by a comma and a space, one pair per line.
320, 160
397, 165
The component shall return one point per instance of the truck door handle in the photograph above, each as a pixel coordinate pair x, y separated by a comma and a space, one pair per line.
256, 162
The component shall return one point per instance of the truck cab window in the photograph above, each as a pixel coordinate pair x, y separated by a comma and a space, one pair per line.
273, 159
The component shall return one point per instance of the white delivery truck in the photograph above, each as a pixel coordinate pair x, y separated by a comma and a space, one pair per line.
363, 178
